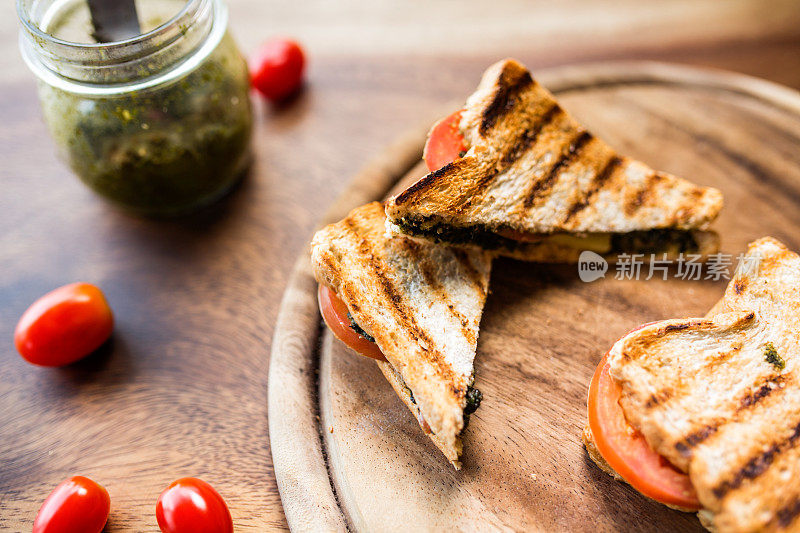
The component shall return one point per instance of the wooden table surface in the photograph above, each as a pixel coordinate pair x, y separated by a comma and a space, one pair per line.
181, 389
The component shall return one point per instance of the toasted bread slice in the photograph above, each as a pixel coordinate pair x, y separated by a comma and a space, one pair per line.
719, 396
534, 182
421, 302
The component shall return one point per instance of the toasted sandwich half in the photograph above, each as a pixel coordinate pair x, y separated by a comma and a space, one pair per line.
514, 172
415, 307
704, 413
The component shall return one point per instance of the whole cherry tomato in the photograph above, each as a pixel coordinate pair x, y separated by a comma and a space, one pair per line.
277, 68
76, 505
190, 505
64, 325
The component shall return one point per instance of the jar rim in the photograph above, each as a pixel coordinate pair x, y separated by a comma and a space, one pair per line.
159, 41
33, 28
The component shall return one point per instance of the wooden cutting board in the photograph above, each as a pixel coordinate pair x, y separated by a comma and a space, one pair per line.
347, 452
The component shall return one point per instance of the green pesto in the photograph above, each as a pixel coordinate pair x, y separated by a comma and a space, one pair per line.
163, 150
772, 357
654, 241
435, 231
358, 329
474, 398
639, 242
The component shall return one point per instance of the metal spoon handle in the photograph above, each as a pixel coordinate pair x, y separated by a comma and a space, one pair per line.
114, 20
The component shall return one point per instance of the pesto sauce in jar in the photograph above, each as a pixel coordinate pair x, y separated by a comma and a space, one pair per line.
164, 149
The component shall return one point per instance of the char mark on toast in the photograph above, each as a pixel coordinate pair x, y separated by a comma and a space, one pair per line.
758, 465
746, 402
787, 514
430, 275
598, 183
423, 183
472, 273
400, 308
542, 187
524, 140
505, 97
529, 136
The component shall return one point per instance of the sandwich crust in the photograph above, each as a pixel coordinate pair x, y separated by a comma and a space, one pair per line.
421, 302
532, 169
719, 396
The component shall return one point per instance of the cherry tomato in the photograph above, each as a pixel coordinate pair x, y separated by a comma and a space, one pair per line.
64, 325
445, 143
627, 451
334, 311
190, 505
78, 505
277, 68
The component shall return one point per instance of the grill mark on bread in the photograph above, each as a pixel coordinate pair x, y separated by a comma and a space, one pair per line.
627, 354
669, 328
424, 183
685, 446
636, 200
752, 398
740, 285
600, 180
757, 465
787, 514
657, 398
521, 145
402, 314
746, 402
524, 142
475, 277
543, 186
505, 97
432, 280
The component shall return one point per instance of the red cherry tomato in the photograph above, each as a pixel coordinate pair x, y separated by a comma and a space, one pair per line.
277, 68
64, 325
76, 505
445, 142
190, 505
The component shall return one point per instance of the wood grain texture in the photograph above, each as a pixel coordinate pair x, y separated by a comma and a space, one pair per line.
544, 330
182, 388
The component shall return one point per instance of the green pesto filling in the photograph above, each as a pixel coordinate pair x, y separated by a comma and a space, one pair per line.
654, 241
164, 150
355, 327
639, 242
439, 232
474, 397
772, 357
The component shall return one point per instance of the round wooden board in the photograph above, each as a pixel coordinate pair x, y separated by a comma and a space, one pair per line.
348, 454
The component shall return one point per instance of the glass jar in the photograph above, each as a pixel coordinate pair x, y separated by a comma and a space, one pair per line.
160, 123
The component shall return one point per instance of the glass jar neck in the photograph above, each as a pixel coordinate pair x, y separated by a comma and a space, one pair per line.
158, 56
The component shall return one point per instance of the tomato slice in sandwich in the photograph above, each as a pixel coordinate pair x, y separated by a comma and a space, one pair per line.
445, 143
334, 312
627, 451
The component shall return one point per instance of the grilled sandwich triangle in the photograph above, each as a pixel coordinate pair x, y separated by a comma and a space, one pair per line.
422, 303
719, 396
535, 184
